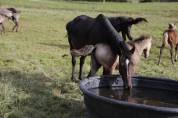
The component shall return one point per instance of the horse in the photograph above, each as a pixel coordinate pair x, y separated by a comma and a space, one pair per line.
84, 30
170, 37
12, 14
102, 55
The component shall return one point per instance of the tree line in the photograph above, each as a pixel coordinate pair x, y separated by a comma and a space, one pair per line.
128, 0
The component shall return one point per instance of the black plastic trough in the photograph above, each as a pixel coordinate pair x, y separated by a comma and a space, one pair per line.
103, 107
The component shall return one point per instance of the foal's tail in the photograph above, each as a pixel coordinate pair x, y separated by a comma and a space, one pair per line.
84, 51
165, 38
15, 14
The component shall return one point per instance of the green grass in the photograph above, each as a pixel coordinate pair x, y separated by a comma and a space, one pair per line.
34, 75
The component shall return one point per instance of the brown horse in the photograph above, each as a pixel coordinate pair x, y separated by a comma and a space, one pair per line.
170, 36
103, 56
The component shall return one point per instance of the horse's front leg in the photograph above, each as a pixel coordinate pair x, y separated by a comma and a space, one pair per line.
123, 73
73, 78
82, 61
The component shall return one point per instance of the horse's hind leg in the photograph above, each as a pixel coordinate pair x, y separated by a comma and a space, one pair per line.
161, 52
176, 50
73, 78
82, 61
16, 26
171, 53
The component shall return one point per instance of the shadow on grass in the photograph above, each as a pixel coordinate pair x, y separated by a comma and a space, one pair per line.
62, 46
36, 96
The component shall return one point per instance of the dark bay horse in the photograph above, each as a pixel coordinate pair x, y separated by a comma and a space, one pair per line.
84, 30
103, 56
170, 37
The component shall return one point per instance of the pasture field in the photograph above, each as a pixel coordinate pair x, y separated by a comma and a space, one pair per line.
35, 74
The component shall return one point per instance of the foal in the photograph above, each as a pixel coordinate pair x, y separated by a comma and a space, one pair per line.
103, 56
170, 36
9, 13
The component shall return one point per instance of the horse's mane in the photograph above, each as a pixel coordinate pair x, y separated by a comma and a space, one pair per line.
140, 39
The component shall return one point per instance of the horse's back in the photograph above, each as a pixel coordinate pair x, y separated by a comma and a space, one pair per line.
78, 31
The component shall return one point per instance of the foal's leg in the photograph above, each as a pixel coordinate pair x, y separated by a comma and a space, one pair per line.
94, 66
82, 61
161, 51
73, 78
131, 70
2, 28
171, 53
107, 72
176, 50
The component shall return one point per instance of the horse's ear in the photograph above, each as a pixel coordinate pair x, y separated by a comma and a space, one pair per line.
132, 50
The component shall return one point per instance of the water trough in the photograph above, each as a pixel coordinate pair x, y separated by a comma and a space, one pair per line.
150, 97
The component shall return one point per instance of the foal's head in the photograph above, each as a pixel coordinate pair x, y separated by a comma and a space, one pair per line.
127, 65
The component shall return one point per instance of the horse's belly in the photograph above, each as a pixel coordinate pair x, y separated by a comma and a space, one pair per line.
104, 56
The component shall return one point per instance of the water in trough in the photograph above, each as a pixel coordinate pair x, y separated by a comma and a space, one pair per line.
146, 96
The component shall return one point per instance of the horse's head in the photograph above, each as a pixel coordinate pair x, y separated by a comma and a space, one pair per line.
146, 50
172, 26
126, 68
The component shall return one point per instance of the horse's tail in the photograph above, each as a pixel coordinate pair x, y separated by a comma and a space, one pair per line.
165, 38
139, 20
14, 11
15, 14
84, 51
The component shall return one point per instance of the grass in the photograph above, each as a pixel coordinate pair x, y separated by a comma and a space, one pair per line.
34, 75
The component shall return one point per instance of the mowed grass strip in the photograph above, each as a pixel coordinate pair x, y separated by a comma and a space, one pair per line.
34, 75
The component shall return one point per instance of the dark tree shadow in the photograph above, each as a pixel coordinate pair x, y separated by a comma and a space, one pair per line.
42, 100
